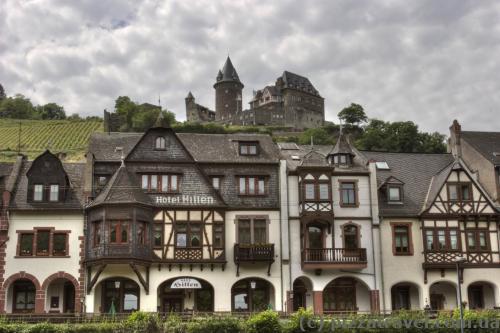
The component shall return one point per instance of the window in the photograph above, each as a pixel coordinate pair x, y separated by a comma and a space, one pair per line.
26, 244
188, 234
118, 232
351, 236
394, 193
248, 148
38, 192
442, 239
216, 182
319, 191
43, 243
218, 236
158, 235
102, 180
341, 159
160, 183
460, 192
97, 233
24, 296
478, 240
120, 294
54, 192
348, 195
401, 239
59, 246
252, 185
142, 230
160, 143
252, 230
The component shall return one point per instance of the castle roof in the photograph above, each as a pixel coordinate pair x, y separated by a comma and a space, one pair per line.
228, 72
298, 82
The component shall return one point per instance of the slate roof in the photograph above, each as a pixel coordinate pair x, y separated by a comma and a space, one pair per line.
295, 81
342, 146
228, 72
74, 196
486, 143
122, 188
416, 172
301, 155
208, 148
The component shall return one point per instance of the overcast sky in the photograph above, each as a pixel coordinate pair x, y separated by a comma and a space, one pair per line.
425, 61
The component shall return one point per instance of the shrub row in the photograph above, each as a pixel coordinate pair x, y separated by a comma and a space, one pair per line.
270, 322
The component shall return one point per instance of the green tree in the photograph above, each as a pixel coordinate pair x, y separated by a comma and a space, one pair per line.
433, 143
75, 117
320, 137
18, 107
51, 111
2, 93
354, 114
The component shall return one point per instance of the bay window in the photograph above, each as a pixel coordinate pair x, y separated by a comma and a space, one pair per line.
316, 191
118, 232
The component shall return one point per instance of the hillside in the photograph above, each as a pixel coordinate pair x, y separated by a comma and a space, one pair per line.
70, 137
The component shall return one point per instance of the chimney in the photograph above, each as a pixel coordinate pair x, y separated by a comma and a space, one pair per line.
454, 144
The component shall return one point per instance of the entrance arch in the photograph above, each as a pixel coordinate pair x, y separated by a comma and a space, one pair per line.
119, 295
481, 295
346, 294
405, 296
443, 295
183, 294
62, 293
302, 293
252, 295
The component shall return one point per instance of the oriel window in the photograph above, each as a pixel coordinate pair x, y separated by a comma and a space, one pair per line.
118, 232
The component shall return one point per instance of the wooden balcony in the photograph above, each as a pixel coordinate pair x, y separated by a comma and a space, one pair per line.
338, 258
253, 253
112, 253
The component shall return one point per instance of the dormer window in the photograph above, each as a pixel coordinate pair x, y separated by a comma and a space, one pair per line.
54, 192
394, 193
38, 192
160, 143
342, 159
248, 148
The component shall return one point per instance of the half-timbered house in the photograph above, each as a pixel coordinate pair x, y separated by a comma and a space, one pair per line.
182, 222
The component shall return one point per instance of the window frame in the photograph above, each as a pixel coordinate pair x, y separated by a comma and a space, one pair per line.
119, 230
41, 193
394, 226
354, 182
316, 183
162, 231
219, 178
58, 193
34, 247
163, 140
248, 145
96, 226
447, 239
477, 232
459, 187
400, 190
257, 180
188, 233
358, 235
159, 182
252, 219
142, 239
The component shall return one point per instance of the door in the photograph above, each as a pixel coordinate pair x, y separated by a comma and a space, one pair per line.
401, 298
172, 304
437, 301
476, 297
69, 298
299, 295
315, 244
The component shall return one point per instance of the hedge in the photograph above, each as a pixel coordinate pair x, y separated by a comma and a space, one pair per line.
270, 322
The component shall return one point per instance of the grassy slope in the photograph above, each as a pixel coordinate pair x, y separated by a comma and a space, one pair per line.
66, 136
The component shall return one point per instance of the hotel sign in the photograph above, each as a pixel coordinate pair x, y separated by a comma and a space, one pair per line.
186, 283
184, 199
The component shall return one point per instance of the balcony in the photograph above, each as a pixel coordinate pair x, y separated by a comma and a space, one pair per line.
253, 253
118, 253
338, 258
447, 259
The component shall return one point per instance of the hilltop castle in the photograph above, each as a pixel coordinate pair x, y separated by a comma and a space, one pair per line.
292, 101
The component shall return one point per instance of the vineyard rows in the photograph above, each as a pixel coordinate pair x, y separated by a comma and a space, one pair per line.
38, 135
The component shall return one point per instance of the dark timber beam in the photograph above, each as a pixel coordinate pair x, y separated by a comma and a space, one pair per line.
91, 283
144, 282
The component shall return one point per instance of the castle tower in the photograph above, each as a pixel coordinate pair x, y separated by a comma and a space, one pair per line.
191, 112
228, 94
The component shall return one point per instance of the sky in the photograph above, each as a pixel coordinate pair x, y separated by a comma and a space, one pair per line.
426, 61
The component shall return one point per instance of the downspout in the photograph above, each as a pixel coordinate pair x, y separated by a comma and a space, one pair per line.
281, 239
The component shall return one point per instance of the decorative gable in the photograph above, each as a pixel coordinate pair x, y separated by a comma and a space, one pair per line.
171, 148
47, 171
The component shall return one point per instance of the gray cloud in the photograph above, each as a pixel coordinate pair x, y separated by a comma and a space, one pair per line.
425, 61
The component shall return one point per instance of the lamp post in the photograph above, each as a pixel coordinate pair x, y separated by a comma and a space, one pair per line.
458, 261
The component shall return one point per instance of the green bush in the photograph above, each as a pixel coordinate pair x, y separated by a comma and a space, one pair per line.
264, 322
302, 321
140, 321
215, 325
174, 324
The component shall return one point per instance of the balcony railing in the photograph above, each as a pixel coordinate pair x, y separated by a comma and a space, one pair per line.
119, 251
333, 258
253, 253
444, 259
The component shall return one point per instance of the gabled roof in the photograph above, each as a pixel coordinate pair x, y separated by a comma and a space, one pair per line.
391, 180
228, 72
486, 143
122, 188
415, 171
342, 146
298, 82
314, 159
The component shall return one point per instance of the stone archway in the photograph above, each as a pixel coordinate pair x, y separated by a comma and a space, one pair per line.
39, 296
78, 291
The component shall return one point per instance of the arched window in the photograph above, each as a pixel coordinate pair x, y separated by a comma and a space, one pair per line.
160, 143
120, 295
351, 236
